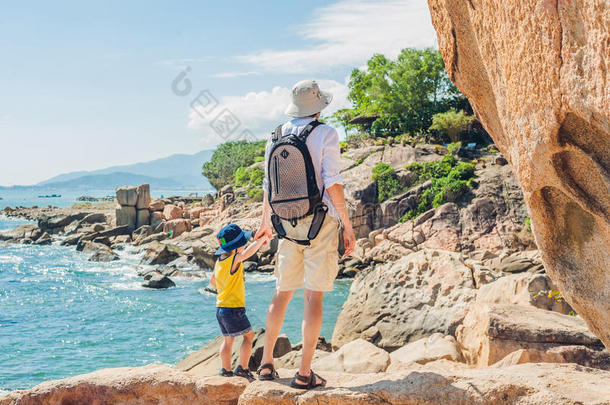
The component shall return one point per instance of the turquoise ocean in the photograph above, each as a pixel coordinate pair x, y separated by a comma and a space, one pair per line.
61, 315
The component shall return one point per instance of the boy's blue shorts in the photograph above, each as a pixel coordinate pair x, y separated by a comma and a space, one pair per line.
233, 321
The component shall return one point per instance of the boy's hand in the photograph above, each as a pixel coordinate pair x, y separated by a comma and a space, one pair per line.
264, 231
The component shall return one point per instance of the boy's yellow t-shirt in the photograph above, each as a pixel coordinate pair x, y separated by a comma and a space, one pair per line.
231, 287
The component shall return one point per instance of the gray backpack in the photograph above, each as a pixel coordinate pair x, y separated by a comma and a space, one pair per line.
293, 191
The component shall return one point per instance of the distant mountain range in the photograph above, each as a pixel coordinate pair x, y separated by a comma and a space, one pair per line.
180, 171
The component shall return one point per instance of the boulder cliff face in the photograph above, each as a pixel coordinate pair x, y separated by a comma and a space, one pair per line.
536, 73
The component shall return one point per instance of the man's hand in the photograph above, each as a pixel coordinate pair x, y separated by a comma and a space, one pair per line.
264, 231
349, 238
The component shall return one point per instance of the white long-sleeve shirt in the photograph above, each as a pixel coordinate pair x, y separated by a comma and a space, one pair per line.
323, 145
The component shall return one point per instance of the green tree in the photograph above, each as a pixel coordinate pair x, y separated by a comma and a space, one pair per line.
452, 123
229, 157
406, 92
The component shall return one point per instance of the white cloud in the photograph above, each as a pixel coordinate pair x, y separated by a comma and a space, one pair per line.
349, 32
258, 112
229, 75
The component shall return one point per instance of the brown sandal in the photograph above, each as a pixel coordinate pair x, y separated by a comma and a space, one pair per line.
311, 381
273, 375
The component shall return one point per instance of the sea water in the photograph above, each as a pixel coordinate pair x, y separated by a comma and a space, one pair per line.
61, 315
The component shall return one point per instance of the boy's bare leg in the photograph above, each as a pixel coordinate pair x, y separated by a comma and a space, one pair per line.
273, 324
310, 328
225, 352
246, 349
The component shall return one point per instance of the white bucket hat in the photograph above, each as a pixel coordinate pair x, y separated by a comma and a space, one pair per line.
307, 99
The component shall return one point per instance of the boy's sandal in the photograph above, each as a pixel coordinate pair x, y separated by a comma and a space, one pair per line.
225, 373
241, 372
310, 382
272, 375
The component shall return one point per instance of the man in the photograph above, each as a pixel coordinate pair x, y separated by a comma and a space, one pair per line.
315, 266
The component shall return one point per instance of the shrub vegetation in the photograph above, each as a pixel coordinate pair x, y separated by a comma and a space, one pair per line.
450, 181
387, 182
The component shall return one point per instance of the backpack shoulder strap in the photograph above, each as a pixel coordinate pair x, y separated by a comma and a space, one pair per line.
277, 134
308, 129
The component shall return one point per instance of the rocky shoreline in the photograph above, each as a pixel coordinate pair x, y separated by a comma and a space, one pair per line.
452, 306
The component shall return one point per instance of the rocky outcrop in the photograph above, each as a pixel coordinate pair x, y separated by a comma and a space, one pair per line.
536, 74
523, 289
206, 361
492, 223
159, 253
152, 384
534, 384
491, 332
422, 351
582, 355
358, 356
396, 303
361, 190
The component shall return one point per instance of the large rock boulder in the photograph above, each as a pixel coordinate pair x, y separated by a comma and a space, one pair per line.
425, 292
99, 252
532, 384
20, 232
585, 356
523, 289
490, 332
171, 211
535, 73
126, 216
356, 357
177, 227
206, 361
127, 196
142, 218
422, 351
160, 253
158, 281
152, 384
143, 192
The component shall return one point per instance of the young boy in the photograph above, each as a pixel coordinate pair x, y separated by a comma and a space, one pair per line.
228, 278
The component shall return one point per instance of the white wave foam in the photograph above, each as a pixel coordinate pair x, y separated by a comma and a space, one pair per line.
10, 259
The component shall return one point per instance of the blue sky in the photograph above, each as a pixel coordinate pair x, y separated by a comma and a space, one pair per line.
87, 85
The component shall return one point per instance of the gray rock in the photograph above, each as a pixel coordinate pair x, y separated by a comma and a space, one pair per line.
44, 239
156, 205
156, 219
104, 240
99, 252
127, 196
158, 280
143, 192
268, 268
249, 266
72, 227
152, 238
126, 216
142, 217
94, 218
228, 189
71, 240
159, 253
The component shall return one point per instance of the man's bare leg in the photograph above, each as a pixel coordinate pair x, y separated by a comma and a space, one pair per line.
312, 322
273, 324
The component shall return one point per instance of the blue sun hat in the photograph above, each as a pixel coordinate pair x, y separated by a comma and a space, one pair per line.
232, 237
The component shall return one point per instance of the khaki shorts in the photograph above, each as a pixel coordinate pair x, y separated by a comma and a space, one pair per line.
315, 266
